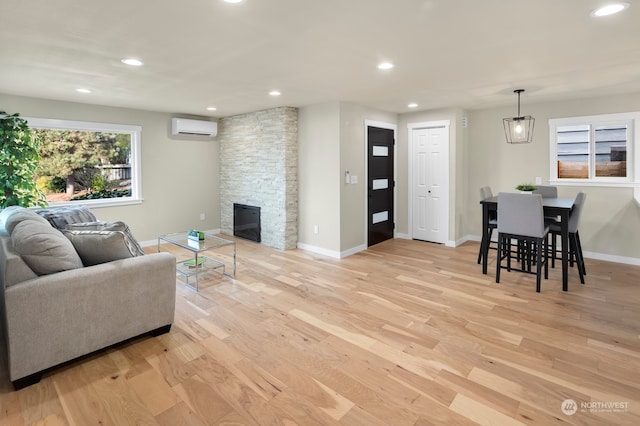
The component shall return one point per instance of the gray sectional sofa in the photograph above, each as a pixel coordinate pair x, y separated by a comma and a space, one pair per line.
68, 292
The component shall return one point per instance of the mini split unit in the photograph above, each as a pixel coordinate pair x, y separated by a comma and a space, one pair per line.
184, 126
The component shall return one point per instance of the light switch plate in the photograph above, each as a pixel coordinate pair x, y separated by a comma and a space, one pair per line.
354, 179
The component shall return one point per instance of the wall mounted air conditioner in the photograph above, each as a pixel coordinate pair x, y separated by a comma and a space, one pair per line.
185, 126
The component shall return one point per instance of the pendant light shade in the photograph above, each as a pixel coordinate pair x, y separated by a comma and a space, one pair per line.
519, 129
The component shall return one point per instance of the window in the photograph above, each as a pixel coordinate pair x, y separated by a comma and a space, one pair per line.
594, 149
88, 163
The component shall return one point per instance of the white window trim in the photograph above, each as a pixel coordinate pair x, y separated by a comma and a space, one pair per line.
135, 131
633, 157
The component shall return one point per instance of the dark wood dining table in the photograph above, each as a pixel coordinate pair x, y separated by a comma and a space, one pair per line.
553, 207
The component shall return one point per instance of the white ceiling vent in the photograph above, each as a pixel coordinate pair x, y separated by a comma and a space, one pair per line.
184, 126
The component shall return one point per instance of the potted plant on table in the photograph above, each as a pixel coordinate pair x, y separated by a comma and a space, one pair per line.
19, 158
526, 187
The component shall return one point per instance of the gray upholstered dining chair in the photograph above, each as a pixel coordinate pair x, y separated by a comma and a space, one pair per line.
546, 191
485, 193
575, 247
521, 217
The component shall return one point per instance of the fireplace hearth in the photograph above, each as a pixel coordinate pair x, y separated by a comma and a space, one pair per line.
246, 222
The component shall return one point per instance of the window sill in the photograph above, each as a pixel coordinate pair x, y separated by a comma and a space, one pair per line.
106, 202
586, 182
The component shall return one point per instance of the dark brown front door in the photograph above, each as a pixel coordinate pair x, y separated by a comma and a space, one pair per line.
380, 182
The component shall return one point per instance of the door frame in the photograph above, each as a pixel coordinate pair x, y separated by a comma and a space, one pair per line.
429, 125
381, 125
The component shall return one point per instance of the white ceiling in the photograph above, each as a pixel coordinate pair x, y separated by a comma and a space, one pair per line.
470, 54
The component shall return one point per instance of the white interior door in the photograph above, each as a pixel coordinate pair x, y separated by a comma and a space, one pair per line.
430, 183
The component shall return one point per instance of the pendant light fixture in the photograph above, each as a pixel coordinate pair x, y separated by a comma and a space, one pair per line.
519, 129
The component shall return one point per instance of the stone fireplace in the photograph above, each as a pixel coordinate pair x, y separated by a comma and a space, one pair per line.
258, 167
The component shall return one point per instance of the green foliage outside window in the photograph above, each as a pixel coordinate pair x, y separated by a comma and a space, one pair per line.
76, 156
19, 159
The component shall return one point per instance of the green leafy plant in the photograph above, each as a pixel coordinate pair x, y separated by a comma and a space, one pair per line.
526, 187
19, 158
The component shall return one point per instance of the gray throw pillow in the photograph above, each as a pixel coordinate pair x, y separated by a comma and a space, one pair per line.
96, 247
44, 249
130, 240
60, 216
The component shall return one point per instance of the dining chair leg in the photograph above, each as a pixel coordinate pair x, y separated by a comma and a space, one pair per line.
579, 250
545, 244
507, 241
538, 264
579, 262
485, 244
499, 262
553, 249
482, 242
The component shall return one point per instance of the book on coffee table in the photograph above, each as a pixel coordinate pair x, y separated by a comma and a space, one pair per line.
191, 263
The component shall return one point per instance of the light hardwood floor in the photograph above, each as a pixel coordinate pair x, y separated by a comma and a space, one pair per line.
405, 333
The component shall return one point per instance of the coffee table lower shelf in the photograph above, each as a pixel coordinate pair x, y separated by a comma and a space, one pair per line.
187, 268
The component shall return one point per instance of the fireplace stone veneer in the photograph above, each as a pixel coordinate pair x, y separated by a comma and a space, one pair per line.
259, 167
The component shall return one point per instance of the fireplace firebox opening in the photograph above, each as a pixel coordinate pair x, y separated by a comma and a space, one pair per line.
246, 222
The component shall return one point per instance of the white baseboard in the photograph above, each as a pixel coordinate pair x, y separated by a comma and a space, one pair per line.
331, 253
611, 258
353, 250
319, 250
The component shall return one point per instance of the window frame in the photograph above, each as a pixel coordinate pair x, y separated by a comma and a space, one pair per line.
135, 156
633, 146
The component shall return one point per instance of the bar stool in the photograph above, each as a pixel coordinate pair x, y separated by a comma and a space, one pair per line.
485, 193
521, 217
546, 191
575, 247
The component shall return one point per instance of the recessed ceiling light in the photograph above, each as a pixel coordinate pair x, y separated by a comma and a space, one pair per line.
211, 108
274, 93
413, 105
132, 61
385, 66
83, 90
610, 9
233, 1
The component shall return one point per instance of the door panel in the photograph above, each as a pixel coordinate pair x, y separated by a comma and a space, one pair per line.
430, 147
380, 219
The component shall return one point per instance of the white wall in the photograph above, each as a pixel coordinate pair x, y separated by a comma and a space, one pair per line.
180, 178
319, 177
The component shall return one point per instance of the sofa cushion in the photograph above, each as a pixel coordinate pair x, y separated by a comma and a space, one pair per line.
96, 247
18, 215
130, 240
43, 248
61, 216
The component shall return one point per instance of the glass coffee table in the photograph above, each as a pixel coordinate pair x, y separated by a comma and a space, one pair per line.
200, 263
